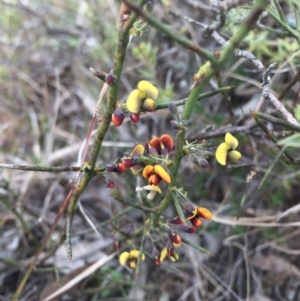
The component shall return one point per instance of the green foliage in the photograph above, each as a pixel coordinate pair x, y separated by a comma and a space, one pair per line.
292, 141
147, 54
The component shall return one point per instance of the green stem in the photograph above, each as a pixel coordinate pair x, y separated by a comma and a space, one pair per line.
275, 120
107, 109
279, 10
290, 30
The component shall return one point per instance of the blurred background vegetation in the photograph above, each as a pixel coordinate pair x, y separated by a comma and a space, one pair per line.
48, 97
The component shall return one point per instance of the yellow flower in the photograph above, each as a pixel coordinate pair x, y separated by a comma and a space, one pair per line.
142, 98
130, 258
227, 149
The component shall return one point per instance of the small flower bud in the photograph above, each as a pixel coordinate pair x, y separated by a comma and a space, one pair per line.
175, 238
204, 163
188, 229
120, 168
175, 125
173, 108
118, 117
110, 183
176, 220
128, 162
111, 167
196, 221
135, 117
110, 78
188, 123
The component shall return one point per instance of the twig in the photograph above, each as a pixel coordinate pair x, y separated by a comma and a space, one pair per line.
51, 168
289, 85
276, 103
266, 80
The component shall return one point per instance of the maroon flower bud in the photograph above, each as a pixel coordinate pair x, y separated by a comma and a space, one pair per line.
174, 237
110, 183
135, 117
176, 220
118, 117
196, 221
128, 162
187, 229
120, 168
109, 78
204, 164
111, 167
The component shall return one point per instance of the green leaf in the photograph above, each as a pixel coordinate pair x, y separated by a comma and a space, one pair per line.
293, 141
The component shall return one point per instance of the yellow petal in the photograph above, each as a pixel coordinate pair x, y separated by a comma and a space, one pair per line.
159, 170
152, 188
123, 258
174, 257
221, 153
134, 102
138, 150
148, 89
148, 171
149, 105
234, 155
163, 254
135, 254
231, 141
204, 213
132, 264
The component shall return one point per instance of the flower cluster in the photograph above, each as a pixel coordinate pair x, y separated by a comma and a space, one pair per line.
227, 150
147, 161
142, 98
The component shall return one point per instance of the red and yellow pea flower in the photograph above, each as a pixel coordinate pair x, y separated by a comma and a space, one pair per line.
155, 173
162, 145
130, 258
195, 215
227, 150
142, 98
